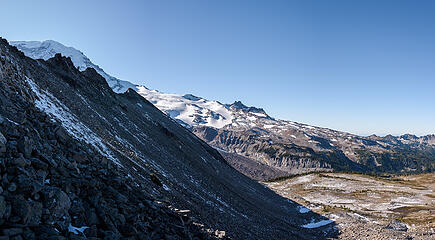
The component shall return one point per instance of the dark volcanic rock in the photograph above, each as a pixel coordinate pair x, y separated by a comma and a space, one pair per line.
2, 143
25, 146
397, 225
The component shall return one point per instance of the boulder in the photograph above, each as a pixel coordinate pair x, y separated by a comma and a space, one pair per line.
28, 234
2, 206
21, 208
80, 158
12, 231
62, 135
397, 226
12, 187
25, 146
36, 214
38, 164
57, 202
20, 161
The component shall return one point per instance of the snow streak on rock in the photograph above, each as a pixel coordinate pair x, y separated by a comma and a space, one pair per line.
49, 104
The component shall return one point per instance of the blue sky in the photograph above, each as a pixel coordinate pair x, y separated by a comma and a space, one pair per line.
359, 66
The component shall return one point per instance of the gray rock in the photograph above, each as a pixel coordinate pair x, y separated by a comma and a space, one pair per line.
62, 135
12, 187
80, 158
91, 231
59, 202
21, 208
17, 237
397, 226
28, 211
20, 161
12, 231
3, 142
28, 234
25, 146
35, 217
2, 206
38, 164
91, 217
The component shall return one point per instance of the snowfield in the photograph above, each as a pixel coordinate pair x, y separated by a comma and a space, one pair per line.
191, 110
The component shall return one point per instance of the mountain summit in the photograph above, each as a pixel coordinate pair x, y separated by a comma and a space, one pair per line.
47, 49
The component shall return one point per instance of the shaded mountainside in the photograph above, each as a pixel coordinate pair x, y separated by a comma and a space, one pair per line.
79, 160
294, 151
295, 148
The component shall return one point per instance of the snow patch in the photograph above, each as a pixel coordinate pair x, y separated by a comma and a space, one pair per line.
268, 126
303, 209
76, 230
318, 224
166, 187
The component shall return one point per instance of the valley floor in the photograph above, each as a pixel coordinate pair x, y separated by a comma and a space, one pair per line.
367, 207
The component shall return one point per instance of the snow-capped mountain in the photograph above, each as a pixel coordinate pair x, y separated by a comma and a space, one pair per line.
286, 146
189, 110
47, 49
193, 111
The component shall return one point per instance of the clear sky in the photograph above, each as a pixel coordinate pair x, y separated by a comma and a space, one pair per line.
359, 66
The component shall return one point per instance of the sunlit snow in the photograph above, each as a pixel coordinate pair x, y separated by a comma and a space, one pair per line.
320, 223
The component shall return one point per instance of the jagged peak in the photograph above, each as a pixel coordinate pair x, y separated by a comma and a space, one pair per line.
239, 104
63, 62
243, 107
94, 75
409, 136
132, 94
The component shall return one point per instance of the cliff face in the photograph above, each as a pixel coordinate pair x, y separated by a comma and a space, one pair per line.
298, 148
79, 160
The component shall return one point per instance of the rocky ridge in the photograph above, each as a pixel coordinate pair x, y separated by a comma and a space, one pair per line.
47, 49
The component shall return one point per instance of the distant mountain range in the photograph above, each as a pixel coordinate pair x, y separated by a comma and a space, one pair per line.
259, 145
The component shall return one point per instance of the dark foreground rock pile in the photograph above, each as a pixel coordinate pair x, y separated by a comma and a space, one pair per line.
53, 187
